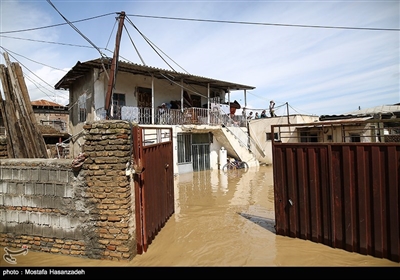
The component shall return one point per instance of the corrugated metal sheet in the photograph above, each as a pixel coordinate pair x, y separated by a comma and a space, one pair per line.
154, 187
82, 68
344, 195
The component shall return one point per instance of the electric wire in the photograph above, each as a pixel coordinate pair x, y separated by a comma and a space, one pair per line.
54, 25
33, 60
134, 46
47, 42
32, 74
271, 24
76, 29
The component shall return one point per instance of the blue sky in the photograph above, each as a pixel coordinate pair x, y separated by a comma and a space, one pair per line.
316, 71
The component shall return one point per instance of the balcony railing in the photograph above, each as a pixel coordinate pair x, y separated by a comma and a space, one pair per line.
193, 115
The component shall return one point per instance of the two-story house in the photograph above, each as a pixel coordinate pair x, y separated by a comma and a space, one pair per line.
198, 109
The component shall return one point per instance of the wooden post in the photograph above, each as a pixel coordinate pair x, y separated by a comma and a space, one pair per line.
113, 70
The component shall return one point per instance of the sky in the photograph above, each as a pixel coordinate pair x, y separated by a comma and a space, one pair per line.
310, 57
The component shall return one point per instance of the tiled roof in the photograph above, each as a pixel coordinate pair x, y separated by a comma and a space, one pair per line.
43, 102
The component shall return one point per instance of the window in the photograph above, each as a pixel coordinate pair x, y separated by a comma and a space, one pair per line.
308, 136
355, 138
82, 108
184, 148
118, 102
269, 136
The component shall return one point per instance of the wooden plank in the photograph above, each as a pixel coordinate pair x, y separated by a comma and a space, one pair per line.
14, 134
31, 139
40, 150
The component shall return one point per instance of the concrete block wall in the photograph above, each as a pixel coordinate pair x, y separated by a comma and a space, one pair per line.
40, 206
48, 207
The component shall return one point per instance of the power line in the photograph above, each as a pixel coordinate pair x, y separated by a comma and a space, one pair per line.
76, 29
47, 42
54, 25
32, 60
271, 24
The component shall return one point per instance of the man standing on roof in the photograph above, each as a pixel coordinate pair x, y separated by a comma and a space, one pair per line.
272, 108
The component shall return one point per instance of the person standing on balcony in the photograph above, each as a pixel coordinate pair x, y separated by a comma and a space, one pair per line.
162, 110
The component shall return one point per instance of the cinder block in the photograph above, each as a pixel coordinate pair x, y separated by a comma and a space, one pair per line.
26, 200
65, 222
33, 218
8, 200
20, 188
22, 217
17, 200
47, 201
29, 188
44, 219
47, 231
36, 201
12, 216
64, 176
12, 188
44, 175
37, 230
54, 175
39, 188
3, 226
3, 186
6, 174
49, 189
25, 175
70, 233
3, 215
16, 174
59, 190
34, 175
18, 228
13, 227
1, 199
27, 228
54, 220
58, 232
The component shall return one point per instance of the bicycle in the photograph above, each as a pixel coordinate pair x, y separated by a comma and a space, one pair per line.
234, 165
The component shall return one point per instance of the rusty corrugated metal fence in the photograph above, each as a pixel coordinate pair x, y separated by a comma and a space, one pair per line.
344, 195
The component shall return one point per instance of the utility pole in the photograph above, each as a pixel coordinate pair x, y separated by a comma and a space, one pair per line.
113, 70
287, 110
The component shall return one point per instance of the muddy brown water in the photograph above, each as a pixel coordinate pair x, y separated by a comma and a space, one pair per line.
220, 220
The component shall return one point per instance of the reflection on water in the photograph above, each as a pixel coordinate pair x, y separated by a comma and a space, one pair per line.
222, 220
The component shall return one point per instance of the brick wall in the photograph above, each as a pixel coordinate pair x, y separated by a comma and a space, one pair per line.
48, 207
108, 146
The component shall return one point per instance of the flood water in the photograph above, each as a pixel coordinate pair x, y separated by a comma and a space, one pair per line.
221, 220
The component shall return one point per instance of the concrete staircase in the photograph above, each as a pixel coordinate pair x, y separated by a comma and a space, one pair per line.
236, 142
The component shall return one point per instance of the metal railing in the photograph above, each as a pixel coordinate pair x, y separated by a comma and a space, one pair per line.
144, 115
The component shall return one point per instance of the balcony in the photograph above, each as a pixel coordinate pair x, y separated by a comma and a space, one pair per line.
185, 116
